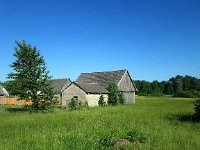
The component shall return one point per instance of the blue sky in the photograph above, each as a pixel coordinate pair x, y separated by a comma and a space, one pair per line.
154, 40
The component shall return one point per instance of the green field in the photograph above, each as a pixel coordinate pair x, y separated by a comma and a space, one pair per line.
163, 123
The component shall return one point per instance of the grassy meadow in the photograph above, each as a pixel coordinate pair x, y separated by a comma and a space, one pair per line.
161, 122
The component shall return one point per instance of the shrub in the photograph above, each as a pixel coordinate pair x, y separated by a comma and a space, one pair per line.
56, 100
142, 94
80, 105
121, 98
188, 94
101, 101
197, 109
156, 94
115, 96
73, 104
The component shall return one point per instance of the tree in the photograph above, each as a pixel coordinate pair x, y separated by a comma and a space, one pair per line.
30, 80
168, 89
10, 88
121, 98
197, 109
114, 97
155, 87
101, 101
73, 104
144, 87
178, 86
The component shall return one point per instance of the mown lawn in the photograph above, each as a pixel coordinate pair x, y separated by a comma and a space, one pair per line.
164, 123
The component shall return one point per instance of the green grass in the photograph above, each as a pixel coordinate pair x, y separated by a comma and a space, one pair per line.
164, 122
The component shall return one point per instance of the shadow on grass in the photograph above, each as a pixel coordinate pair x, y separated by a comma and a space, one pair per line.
14, 109
184, 118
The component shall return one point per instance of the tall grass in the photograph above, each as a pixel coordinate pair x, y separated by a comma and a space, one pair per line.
159, 120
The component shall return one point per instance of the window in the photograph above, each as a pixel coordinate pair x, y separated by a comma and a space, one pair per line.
75, 97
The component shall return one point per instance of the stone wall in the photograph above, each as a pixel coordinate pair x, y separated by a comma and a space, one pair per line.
92, 99
70, 92
129, 97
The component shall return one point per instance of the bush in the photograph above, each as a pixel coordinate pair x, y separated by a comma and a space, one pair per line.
156, 94
142, 94
188, 94
121, 98
73, 104
56, 100
101, 101
197, 108
115, 96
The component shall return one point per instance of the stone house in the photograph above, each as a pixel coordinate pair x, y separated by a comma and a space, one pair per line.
89, 86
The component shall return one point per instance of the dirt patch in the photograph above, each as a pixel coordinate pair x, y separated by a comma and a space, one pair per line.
122, 142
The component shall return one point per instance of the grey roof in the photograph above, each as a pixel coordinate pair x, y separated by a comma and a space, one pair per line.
3, 91
58, 84
92, 88
102, 78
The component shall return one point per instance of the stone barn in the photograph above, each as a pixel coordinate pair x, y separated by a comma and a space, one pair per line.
89, 86
86, 92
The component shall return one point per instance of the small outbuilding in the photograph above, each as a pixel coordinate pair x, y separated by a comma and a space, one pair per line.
89, 86
87, 93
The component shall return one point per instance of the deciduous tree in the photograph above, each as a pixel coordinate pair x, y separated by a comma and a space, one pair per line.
30, 77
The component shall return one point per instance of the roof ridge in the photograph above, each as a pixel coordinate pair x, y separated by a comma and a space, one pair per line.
87, 83
60, 79
104, 71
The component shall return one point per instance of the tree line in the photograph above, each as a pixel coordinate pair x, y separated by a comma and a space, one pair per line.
179, 86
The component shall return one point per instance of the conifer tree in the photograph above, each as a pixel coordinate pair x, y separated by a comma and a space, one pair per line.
115, 96
101, 101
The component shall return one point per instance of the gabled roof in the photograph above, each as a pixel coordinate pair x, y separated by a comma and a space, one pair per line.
58, 84
92, 88
102, 78
3, 91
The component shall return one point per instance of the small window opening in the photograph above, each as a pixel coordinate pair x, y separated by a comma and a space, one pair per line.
75, 97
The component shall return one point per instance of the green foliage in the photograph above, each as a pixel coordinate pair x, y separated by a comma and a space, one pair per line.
156, 87
178, 86
30, 78
197, 109
142, 94
121, 98
114, 97
143, 87
156, 94
73, 104
188, 94
56, 100
101, 101
82, 105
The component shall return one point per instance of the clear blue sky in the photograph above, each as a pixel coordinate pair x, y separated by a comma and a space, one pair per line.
153, 39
